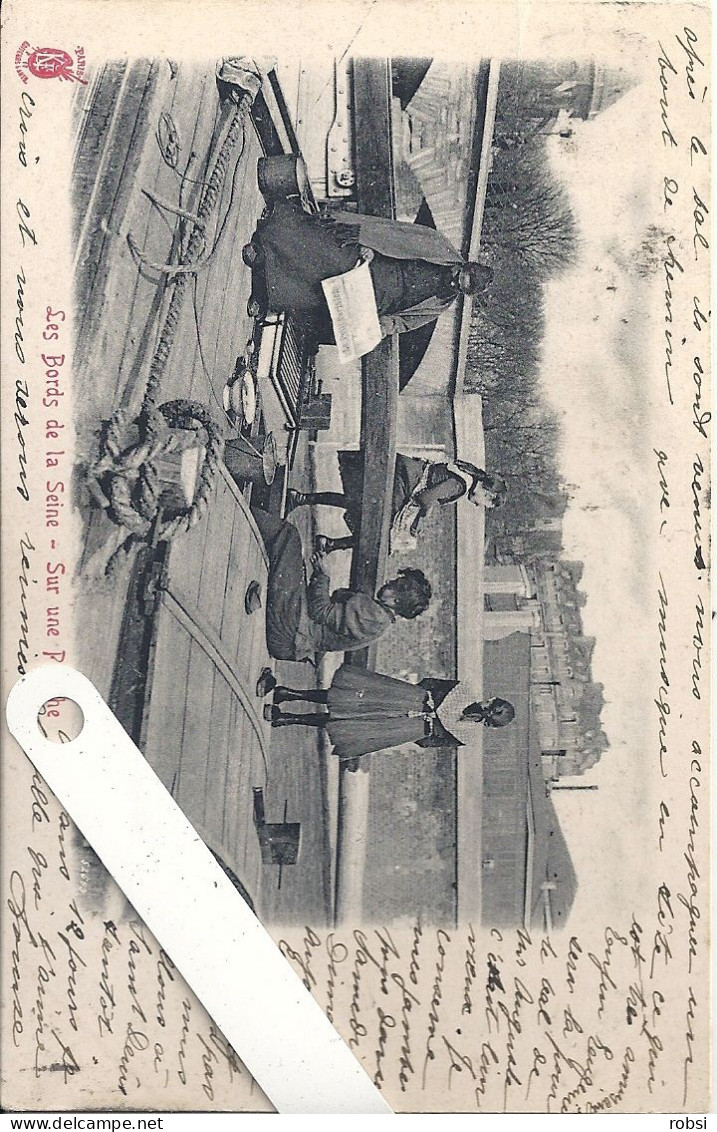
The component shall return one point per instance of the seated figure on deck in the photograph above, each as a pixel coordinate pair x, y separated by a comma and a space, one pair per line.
418, 487
416, 272
304, 619
367, 711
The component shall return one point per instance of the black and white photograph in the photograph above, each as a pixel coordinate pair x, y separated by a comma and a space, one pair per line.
363, 467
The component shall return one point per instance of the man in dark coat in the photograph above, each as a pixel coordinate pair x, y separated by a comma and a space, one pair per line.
416, 272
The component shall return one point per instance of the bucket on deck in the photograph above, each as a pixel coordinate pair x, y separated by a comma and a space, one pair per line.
279, 842
284, 175
178, 473
246, 462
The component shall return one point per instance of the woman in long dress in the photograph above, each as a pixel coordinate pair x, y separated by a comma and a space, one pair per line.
305, 619
419, 486
367, 711
416, 272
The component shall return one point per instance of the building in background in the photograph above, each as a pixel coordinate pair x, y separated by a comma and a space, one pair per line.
544, 600
569, 700
549, 96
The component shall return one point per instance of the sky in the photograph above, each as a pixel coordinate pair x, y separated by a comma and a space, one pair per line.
599, 372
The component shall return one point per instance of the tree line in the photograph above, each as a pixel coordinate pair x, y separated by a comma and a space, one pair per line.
529, 235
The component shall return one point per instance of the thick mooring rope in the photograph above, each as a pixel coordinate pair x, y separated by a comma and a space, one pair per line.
194, 249
124, 479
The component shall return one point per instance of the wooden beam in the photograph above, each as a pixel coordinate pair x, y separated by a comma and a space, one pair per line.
379, 410
284, 111
265, 128
373, 141
375, 194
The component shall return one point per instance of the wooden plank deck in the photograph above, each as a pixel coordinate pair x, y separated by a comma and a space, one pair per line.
203, 729
122, 301
227, 650
123, 304
170, 676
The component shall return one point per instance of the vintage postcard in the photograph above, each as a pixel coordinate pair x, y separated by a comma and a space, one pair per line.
356, 446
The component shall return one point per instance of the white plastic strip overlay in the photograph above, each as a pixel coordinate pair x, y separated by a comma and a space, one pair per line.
167, 873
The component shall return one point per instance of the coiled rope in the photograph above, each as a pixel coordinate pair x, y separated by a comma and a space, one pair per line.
125, 480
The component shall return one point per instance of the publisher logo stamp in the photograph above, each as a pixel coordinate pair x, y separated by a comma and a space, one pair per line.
50, 63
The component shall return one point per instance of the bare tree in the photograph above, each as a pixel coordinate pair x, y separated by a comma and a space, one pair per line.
528, 214
530, 234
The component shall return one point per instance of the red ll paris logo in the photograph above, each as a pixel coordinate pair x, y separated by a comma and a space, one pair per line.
50, 63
